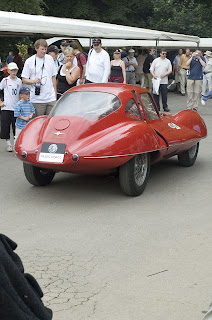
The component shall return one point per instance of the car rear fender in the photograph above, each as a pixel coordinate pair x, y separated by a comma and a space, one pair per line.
125, 139
31, 136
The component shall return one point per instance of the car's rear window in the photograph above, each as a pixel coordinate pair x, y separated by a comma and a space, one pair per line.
86, 104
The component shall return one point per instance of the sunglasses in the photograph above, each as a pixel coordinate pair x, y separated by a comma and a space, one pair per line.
96, 44
164, 53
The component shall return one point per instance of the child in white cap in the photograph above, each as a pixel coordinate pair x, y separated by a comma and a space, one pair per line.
11, 86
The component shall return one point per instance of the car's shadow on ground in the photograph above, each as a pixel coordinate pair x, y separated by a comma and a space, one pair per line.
108, 185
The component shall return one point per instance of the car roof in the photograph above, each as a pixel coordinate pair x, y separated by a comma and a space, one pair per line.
112, 88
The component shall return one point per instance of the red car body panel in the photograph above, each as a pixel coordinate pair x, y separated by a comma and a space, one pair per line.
107, 143
4, 69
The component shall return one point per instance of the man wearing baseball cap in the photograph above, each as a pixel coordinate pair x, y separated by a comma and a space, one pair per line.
63, 46
207, 72
11, 86
53, 52
98, 64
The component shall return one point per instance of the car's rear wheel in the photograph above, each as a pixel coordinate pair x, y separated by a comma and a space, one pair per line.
188, 157
38, 176
133, 175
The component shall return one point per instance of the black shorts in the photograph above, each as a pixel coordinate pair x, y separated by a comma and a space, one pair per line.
7, 119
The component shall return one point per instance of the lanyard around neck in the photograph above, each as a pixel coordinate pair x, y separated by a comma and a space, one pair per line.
41, 68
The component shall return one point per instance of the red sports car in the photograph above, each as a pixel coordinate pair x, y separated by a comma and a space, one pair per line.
104, 128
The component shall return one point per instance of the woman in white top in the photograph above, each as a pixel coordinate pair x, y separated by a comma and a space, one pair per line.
118, 72
67, 74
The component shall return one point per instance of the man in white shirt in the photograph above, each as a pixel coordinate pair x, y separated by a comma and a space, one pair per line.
161, 67
39, 71
98, 64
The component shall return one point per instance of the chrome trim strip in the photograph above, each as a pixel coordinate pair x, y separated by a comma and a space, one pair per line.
134, 154
123, 155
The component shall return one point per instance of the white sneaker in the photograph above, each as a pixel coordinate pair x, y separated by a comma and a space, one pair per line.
9, 148
203, 102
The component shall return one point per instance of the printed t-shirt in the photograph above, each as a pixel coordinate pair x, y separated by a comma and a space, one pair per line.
11, 92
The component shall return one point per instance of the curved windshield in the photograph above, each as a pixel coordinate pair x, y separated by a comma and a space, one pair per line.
86, 104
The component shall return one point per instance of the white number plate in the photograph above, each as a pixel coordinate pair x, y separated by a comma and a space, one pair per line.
52, 152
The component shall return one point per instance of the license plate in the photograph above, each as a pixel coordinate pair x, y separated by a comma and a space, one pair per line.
52, 152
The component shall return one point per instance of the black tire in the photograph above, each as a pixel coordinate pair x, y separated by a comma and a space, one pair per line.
188, 157
133, 175
38, 176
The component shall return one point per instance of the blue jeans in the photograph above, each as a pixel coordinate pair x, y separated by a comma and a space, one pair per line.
207, 96
163, 92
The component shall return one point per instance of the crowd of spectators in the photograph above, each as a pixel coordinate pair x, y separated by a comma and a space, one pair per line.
49, 71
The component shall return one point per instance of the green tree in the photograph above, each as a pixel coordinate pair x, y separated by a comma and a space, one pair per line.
23, 6
83, 9
187, 17
133, 12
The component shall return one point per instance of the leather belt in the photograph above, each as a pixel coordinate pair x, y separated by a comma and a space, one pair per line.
207, 72
129, 71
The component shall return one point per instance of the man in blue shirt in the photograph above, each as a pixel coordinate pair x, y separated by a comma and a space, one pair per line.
194, 82
9, 57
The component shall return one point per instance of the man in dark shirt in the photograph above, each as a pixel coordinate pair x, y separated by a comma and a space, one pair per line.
146, 67
9, 57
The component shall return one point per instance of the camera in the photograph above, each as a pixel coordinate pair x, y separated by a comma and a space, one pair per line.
196, 53
37, 89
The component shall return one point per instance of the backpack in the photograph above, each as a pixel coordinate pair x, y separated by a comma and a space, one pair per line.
78, 57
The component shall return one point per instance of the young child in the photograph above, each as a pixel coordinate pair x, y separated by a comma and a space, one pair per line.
23, 111
11, 86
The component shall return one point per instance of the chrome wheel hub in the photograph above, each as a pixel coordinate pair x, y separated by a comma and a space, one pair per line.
140, 168
192, 151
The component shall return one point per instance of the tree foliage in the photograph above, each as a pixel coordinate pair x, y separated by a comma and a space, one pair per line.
125, 13
181, 16
23, 6
185, 16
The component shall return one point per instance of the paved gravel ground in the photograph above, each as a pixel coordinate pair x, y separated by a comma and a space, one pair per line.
101, 255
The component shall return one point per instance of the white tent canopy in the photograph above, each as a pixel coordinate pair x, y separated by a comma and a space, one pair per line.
13, 23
